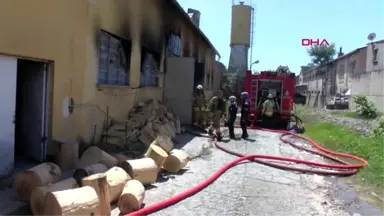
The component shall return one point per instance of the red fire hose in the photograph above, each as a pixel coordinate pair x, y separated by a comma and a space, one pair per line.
344, 169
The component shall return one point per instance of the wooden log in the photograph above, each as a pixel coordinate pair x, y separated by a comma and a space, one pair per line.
38, 195
26, 181
131, 197
99, 183
148, 129
178, 126
157, 154
168, 126
145, 139
164, 142
143, 169
176, 160
163, 131
78, 201
95, 155
80, 173
116, 178
155, 125
67, 156
121, 158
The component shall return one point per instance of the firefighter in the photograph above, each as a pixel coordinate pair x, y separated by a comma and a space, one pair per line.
267, 112
217, 108
232, 114
199, 107
245, 105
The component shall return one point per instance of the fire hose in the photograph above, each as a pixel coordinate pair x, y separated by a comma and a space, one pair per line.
342, 169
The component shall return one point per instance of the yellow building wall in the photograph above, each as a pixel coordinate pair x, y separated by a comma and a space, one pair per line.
124, 19
50, 30
65, 33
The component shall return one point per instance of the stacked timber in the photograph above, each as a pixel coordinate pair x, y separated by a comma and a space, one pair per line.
101, 179
145, 122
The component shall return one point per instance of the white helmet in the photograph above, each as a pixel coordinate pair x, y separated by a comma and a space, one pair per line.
199, 87
270, 96
232, 99
244, 93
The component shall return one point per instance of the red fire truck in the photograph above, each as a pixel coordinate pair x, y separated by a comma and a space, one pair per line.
279, 83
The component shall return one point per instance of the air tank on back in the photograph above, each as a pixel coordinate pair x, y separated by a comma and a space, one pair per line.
241, 37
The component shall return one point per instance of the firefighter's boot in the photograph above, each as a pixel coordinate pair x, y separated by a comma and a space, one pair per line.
210, 131
244, 136
219, 136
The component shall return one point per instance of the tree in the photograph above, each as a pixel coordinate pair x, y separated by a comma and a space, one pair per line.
322, 54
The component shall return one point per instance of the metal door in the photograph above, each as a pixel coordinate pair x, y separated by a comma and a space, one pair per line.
34, 111
178, 86
8, 71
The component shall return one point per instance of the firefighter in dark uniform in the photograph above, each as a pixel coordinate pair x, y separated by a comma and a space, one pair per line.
245, 106
217, 108
232, 114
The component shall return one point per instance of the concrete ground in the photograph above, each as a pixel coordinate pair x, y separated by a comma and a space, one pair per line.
246, 189
250, 188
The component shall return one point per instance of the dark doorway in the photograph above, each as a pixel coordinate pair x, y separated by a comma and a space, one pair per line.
199, 74
31, 110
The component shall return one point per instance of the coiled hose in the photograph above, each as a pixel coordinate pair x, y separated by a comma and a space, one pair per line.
342, 169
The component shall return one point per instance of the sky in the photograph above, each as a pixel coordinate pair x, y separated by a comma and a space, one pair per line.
280, 25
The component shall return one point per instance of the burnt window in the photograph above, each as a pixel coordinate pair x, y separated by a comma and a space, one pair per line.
150, 66
114, 59
173, 44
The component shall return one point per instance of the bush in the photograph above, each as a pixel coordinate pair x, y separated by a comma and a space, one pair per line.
364, 107
379, 130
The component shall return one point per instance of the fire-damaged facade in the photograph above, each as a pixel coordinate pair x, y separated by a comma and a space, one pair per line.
85, 62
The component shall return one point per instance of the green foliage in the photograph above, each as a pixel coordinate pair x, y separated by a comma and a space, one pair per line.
378, 132
341, 139
364, 107
321, 54
229, 85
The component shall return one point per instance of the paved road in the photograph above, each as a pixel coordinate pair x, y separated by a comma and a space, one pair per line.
250, 188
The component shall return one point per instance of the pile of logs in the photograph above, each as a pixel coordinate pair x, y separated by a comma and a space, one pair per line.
99, 180
145, 122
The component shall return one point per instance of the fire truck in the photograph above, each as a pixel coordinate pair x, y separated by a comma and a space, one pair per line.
279, 83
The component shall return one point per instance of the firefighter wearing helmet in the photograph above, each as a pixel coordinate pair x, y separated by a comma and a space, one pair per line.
267, 111
244, 119
199, 106
232, 114
268, 106
217, 108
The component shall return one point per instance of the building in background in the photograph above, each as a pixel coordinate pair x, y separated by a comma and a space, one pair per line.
369, 82
321, 83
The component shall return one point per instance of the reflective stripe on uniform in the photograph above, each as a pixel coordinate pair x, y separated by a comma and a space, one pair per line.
199, 108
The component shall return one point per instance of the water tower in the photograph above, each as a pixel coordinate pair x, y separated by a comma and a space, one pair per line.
241, 36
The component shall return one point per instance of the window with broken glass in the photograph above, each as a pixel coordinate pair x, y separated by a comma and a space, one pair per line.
150, 66
114, 58
173, 45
